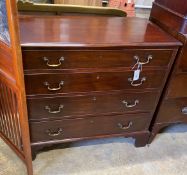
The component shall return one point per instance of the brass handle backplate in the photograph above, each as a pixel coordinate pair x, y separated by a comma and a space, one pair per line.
54, 112
53, 65
54, 133
121, 126
128, 105
136, 84
54, 89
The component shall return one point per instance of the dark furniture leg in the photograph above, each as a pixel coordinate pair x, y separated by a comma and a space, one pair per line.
156, 129
142, 139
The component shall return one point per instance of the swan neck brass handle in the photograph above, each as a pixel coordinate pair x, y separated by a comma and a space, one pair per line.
136, 84
184, 110
54, 89
150, 57
121, 126
53, 65
128, 105
54, 112
54, 133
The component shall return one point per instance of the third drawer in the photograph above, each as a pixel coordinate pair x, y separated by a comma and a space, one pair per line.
57, 107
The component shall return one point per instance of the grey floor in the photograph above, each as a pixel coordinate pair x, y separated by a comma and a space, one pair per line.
167, 155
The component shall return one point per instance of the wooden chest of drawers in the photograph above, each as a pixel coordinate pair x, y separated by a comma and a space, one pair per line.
91, 94
94, 90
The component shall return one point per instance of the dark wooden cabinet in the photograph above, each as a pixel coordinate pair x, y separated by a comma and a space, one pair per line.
171, 16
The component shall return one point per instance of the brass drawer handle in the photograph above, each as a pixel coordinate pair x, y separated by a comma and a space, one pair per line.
136, 84
53, 65
54, 89
54, 112
54, 133
121, 126
150, 57
184, 110
130, 105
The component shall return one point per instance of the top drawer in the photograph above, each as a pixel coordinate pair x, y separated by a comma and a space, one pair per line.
72, 59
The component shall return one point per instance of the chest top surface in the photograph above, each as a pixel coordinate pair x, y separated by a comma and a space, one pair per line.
91, 31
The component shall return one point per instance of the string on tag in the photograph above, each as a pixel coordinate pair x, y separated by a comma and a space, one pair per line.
138, 64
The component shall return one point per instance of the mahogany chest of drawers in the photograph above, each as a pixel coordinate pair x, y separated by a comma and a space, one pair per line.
96, 86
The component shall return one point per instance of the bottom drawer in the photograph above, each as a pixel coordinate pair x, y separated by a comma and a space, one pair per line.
173, 111
88, 127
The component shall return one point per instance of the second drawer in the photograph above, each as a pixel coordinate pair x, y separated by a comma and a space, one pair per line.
98, 81
57, 107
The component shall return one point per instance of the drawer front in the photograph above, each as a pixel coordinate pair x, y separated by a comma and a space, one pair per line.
172, 111
89, 127
50, 59
183, 60
177, 87
57, 107
86, 82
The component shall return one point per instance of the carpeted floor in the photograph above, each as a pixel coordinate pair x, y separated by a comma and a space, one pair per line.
167, 155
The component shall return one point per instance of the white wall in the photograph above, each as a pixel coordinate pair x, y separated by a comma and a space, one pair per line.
146, 3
